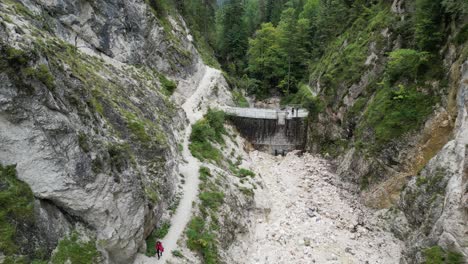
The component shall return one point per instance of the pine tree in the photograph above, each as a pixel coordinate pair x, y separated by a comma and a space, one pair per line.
427, 24
266, 58
233, 40
288, 43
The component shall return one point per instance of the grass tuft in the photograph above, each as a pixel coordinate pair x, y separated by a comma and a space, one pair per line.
437, 255
72, 250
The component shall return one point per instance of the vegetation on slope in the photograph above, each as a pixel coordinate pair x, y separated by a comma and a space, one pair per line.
205, 133
332, 41
398, 108
201, 230
16, 210
73, 250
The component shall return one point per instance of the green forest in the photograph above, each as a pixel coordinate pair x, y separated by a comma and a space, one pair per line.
274, 47
310, 52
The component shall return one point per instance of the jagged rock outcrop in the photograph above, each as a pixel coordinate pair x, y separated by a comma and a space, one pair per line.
435, 201
85, 114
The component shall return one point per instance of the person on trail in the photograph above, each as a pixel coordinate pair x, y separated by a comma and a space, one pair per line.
159, 249
293, 112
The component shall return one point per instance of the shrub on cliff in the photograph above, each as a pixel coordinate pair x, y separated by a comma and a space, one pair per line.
205, 132
437, 255
16, 209
405, 63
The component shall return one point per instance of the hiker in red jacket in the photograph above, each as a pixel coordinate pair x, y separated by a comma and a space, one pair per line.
159, 249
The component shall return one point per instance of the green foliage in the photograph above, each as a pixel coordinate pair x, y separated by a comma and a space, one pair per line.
204, 173
304, 98
427, 23
272, 10
16, 209
137, 127
16, 57
200, 238
15, 260
343, 60
38, 262
83, 142
157, 234
358, 107
44, 75
177, 254
332, 17
160, 7
252, 16
437, 255
72, 250
6, 18
420, 180
168, 85
212, 200
405, 63
119, 155
455, 6
239, 99
232, 37
201, 19
204, 133
205, 151
216, 121
20, 9
266, 58
19, 59
393, 112
278, 55
245, 172
246, 191
462, 36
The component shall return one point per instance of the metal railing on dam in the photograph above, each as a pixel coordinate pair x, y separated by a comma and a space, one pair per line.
262, 113
272, 130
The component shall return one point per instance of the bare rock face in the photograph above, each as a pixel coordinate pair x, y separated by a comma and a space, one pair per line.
127, 31
85, 118
434, 202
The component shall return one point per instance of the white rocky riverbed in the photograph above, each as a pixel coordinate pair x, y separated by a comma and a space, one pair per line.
303, 217
300, 216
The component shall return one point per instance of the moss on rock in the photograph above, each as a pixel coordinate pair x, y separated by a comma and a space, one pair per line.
16, 209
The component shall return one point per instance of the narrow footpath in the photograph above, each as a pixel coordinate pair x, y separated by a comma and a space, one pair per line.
303, 217
189, 169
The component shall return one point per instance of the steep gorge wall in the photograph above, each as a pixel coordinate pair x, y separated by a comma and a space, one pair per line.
85, 116
366, 128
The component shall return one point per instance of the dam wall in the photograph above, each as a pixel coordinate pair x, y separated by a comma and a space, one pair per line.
275, 136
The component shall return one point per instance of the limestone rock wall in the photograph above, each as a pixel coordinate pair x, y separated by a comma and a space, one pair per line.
435, 201
85, 118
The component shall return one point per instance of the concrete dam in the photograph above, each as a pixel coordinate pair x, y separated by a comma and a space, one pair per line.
271, 130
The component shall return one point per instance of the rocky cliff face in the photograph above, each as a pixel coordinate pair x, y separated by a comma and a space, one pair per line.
434, 202
85, 116
387, 130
